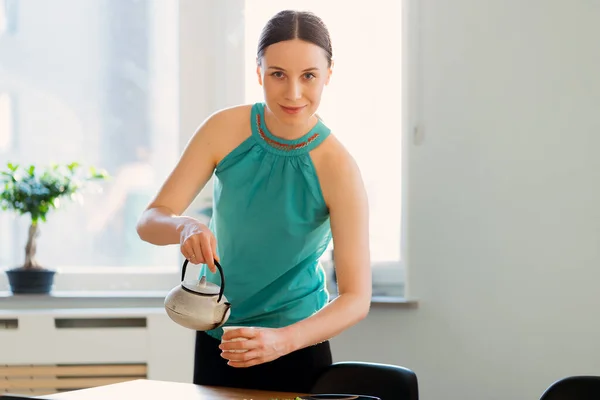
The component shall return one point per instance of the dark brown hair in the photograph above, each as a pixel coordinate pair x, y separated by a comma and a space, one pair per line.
290, 24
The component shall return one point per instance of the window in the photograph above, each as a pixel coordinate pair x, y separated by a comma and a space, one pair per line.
6, 122
97, 84
122, 84
6, 135
8, 12
363, 106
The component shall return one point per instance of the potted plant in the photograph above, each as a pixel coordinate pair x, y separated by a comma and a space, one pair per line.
36, 192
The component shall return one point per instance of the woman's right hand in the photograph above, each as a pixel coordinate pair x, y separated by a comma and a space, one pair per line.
198, 244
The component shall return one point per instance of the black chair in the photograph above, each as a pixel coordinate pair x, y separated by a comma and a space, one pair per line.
574, 388
388, 382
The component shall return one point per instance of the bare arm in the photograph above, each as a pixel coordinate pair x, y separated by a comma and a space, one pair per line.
162, 223
344, 191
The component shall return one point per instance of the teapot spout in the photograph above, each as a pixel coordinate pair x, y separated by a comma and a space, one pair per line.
222, 312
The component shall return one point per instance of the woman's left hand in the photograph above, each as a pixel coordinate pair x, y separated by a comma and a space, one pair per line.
261, 345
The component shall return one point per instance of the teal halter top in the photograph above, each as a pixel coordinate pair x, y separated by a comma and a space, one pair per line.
272, 226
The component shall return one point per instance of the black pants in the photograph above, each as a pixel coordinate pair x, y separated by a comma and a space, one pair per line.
294, 372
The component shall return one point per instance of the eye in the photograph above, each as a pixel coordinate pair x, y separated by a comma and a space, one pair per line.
277, 74
309, 76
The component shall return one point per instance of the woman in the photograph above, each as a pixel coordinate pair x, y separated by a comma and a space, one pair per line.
284, 187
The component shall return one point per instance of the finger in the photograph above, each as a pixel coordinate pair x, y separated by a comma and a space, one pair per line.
207, 252
196, 245
248, 333
232, 334
239, 345
187, 251
246, 364
213, 246
240, 357
239, 332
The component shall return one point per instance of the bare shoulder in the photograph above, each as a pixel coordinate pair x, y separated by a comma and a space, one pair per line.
216, 136
226, 129
337, 170
228, 122
232, 115
333, 157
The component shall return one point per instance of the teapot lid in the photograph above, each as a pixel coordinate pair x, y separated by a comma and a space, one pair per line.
202, 287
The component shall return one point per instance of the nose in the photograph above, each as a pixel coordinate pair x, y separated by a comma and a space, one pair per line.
294, 90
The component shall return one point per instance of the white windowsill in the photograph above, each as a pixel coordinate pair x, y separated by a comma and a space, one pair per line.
127, 299
93, 287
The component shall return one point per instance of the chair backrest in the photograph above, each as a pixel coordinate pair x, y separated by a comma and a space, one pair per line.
574, 388
388, 382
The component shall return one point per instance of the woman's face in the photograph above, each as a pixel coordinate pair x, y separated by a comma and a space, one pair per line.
293, 74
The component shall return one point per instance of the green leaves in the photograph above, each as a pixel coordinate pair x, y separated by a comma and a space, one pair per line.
37, 191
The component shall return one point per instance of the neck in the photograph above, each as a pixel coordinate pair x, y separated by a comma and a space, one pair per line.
285, 131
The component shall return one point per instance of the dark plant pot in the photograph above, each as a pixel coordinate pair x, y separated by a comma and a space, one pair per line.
30, 281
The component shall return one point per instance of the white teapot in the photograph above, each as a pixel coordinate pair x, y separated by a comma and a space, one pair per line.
198, 304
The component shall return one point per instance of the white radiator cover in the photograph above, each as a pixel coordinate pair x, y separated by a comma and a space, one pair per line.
98, 336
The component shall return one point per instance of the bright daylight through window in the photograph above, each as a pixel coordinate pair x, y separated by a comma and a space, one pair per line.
362, 105
88, 85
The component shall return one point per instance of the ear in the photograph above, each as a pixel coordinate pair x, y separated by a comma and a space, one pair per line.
329, 72
259, 72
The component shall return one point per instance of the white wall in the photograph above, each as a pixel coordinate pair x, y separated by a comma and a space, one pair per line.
504, 204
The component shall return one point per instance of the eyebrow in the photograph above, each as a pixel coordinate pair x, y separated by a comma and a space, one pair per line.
305, 70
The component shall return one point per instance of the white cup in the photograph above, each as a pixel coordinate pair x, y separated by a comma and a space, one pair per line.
237, 339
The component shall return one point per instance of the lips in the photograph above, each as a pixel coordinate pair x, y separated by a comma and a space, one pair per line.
292, 110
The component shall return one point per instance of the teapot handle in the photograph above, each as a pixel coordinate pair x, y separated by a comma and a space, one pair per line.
185, 263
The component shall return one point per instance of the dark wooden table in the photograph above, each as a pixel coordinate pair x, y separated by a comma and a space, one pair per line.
143, 389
